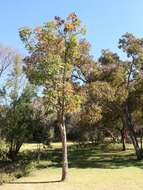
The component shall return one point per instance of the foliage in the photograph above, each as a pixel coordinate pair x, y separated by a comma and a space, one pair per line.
53, 50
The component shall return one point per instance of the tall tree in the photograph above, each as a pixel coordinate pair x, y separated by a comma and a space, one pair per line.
53, 52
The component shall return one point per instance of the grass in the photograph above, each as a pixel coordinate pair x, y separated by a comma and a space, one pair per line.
97, 168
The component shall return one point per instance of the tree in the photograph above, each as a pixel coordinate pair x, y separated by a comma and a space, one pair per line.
17, 115
53, 53
6, 58
123, 77
133, 47
122, 85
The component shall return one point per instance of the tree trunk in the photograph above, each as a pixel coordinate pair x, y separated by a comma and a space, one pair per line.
112, 135
13, 150
127, 118
122, 131
123, 140
64, 151
141, 139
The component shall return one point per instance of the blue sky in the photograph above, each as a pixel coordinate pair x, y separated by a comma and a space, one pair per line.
106, 20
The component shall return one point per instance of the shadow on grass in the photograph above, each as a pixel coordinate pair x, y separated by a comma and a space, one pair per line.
91, 157
34, 182
85, 157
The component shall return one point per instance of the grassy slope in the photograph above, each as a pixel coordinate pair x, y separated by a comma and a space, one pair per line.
109, 169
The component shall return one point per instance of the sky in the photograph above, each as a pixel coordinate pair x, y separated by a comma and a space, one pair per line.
106, 20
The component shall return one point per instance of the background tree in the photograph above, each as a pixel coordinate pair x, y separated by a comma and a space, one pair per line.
133, 47
118, 85
17, 114
6, 59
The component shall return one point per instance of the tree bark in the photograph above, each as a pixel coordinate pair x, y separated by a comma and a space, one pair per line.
141, 139
123, 140
64, 151
127, 118
62, 119
122, 131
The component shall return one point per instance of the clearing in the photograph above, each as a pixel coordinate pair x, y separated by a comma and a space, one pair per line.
98, 168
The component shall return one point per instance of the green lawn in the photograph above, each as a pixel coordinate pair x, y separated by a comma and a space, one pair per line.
91, 168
